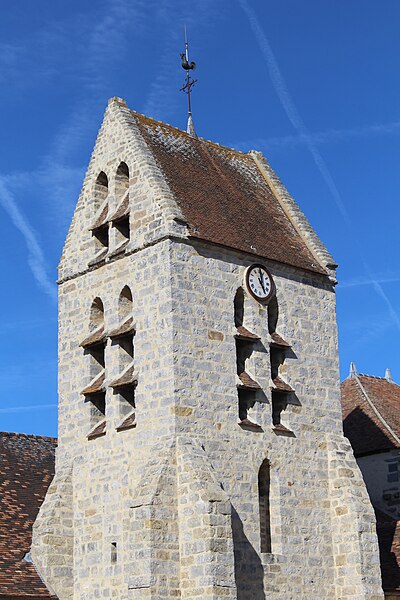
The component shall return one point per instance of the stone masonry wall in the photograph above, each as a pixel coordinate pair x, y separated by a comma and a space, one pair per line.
303, 559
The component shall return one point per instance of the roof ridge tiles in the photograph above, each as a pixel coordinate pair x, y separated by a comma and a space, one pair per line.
187, 135
374, 377
28, 435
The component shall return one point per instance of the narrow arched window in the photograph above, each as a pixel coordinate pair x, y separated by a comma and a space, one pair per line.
238, 305
121, 181
100, 189
120, 218
125, 303
96, 314
264, 484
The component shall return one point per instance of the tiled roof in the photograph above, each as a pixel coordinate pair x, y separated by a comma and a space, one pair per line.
26, 470
389, 549
361, 424
224, 197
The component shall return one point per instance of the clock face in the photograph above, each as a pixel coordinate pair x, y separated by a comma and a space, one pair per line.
259, 283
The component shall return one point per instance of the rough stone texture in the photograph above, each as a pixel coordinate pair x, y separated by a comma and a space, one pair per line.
170, 508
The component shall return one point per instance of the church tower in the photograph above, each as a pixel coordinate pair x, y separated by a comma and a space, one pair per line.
201, 453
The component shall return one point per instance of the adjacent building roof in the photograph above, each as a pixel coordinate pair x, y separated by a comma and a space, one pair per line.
371, 413
371, 421
26, 470
388, 531
224, 196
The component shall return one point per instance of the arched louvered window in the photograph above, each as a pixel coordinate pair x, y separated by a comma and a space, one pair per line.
94, 349
100, 218
122, 338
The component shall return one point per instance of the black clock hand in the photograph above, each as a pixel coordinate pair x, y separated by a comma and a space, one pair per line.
261, 280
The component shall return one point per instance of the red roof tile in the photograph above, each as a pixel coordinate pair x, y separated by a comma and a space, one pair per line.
26, 470
122, 210
96, 385
362, 426
128, 423
224, 197
278, 341
127, 377
94, 338
247, 383
246, 335
123, 328
97, 431
101, 219
280, 385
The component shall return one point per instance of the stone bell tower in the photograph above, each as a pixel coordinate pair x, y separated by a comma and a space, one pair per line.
201, 453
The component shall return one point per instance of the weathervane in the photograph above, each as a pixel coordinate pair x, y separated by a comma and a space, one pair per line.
189, 83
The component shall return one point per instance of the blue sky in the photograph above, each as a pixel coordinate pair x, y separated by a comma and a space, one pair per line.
313, 85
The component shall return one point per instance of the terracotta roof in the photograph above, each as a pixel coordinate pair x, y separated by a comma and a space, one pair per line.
94, 338
122, 210
280, 386
124, 328
98, 430
96, 385
247, 382
366, 432
224, 197
278, 341
128, 423
101, 219
388, 531
127, 377
246, 335
26, 470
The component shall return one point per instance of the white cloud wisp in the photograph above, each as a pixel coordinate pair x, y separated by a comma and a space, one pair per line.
36, 260
294, 117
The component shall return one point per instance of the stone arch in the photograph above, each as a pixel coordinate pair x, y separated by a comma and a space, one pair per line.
125, 302
96, 319
121, 180
100, 189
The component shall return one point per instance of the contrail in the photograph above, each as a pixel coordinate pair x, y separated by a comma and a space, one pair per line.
367, 281
294, 117
289, 107
36, 259
15, 409
323, 137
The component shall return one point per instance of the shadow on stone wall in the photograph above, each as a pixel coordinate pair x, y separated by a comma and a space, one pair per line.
249, 571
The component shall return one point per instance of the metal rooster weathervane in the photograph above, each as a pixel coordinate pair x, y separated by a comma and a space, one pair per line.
189, 83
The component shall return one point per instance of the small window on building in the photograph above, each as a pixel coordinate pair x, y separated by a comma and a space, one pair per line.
264, 506
114, 554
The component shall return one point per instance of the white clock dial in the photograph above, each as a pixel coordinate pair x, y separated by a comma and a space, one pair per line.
259, 283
